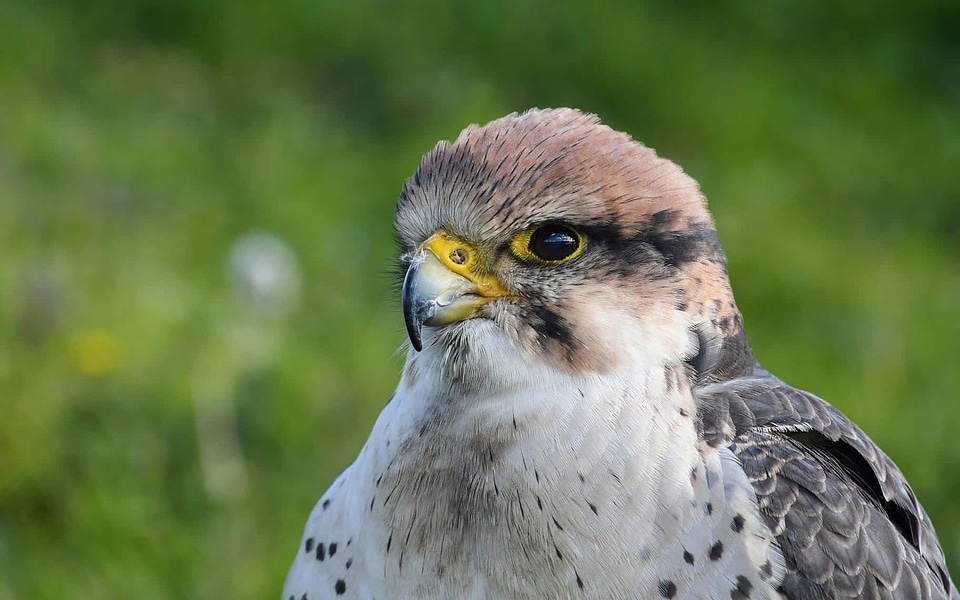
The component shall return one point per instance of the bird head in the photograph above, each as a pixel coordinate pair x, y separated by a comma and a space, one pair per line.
566, 242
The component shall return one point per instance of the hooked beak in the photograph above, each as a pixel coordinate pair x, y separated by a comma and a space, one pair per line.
442, 287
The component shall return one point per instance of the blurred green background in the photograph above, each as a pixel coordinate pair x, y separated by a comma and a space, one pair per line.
196, 325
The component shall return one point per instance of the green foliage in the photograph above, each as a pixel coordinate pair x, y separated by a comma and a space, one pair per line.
164, 435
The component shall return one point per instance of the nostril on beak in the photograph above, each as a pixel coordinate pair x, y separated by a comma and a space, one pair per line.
458, 256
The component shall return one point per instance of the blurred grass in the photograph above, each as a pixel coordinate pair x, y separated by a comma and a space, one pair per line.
164, 435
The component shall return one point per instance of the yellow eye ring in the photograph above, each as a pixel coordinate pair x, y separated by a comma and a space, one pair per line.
549, 244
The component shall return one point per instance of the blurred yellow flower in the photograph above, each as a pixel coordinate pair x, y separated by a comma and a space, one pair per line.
96, 353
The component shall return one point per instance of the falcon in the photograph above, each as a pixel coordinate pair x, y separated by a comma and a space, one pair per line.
580, 414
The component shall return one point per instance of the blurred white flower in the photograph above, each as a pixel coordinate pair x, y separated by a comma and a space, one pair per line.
265, 273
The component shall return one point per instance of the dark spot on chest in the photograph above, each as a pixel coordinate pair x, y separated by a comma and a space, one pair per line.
667, 588
766, 571
742, 589
716, 551
737, 523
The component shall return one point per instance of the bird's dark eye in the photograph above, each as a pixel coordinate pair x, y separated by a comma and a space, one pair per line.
547, 243
553, 242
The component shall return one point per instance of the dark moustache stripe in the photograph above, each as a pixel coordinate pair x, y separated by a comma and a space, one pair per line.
549, 325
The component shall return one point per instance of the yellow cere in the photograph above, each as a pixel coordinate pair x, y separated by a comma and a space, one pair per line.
463, 258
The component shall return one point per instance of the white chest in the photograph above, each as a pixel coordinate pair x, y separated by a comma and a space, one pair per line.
577, 489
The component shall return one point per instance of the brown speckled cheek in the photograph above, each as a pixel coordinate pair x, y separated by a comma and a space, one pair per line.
572, 330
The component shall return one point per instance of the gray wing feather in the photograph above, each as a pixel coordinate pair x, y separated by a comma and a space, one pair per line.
847, 522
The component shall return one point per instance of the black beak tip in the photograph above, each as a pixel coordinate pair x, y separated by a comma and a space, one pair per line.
413, 332
411, 313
